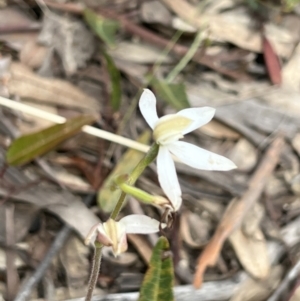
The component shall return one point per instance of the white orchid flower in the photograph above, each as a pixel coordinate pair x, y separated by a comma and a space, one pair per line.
113, 234
167, 131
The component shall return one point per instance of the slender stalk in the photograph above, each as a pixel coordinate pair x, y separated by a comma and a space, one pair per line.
95, 270
187, 57
119, 205
148, 158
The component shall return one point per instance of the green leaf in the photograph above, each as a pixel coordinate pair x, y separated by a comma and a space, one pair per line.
104, 28
28, 147
173, 94
107, 199
159, 279
115, 79
289, 5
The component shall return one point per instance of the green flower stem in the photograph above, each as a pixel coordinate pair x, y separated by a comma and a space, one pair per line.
95, 270
137, 193
148, 158
118, 207
188, 56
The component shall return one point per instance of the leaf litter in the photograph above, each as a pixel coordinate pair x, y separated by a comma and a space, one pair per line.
72, 59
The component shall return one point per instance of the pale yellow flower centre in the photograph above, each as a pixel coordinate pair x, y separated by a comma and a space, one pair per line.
115, 233
169, 128
112, 230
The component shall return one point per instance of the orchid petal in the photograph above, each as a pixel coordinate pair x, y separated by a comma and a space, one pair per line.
199, 158
138, 223
111, 231
167, 176
121, 245
200, 117
91, 237
147, 106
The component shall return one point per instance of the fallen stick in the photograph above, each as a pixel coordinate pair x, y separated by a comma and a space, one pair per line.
237, 209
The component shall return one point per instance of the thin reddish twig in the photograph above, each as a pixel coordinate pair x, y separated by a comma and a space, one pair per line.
238, 208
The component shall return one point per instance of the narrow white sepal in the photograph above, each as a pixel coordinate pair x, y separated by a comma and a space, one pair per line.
199, 158
167, 177
147, 105
138, 223
200, 117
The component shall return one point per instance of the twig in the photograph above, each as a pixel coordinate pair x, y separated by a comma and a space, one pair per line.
289, 277
95, 272
187, 57
20, 29
238, 208
58, 243
12, 278
75, 8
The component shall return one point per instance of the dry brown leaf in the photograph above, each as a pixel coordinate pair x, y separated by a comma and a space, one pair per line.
194, 230
124, 259
258, 290
138, 53
218, 130
17, 40
214, 209
290, 72
24, 215
235, 26
284, 100
136, 70
252, 252
33, 54
26, 84
271, 61
4, 75
253, 220
276, 186
72, 181
295, 184
69, 36
155, 12
13, 19
142, 246
213, 7
181, 25
74, 260
296, 143
18, 262
296, 295
244, 155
